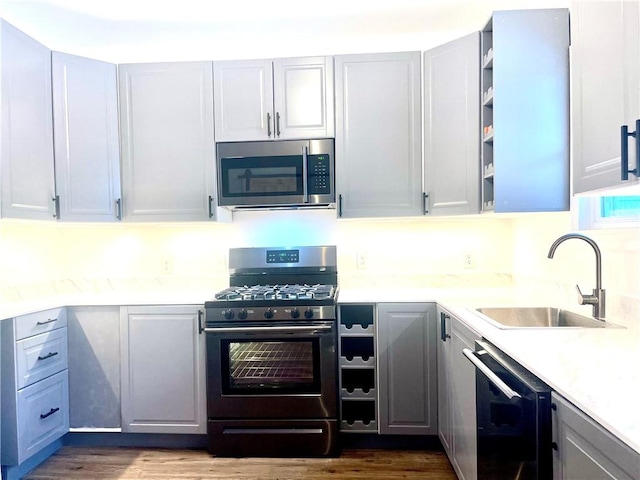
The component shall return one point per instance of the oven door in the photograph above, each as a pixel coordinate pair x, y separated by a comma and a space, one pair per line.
272, 370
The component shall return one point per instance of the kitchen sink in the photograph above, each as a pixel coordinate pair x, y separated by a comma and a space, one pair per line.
539, 317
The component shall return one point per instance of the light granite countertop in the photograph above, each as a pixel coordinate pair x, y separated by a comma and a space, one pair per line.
598, 370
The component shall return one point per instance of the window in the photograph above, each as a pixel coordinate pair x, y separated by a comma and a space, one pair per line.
608, 212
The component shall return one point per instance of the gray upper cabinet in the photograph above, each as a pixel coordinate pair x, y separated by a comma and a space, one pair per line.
378, 135
407, 373
274, 99
605, 65
586, 450
87, 150
28, 188
166, 124
451, 125
162, 365
525, 111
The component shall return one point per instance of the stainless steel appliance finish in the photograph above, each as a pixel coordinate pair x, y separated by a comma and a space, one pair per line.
280, 174
513, 411
271, 354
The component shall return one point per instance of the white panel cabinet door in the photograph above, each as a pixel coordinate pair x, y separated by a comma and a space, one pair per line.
378, 135
162, 370
407, 385
451, 125
303, 98
28, 189
605, 55
87, 150
274, 99
166, 122
243, 100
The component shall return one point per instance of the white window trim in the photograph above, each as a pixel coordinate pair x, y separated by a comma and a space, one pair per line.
587, 216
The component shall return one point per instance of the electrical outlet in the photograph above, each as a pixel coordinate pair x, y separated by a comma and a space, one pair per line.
469, 260
167, 265
362, 260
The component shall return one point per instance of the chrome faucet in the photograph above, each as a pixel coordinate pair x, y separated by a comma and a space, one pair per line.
596, 300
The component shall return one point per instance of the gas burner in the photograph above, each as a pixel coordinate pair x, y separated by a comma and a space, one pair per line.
277, 292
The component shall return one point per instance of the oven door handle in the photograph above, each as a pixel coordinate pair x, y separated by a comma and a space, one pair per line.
276, 329
493, 378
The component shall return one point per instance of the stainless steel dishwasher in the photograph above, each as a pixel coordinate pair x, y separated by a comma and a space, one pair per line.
513, 410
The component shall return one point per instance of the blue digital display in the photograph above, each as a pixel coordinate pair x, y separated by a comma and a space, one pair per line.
283, 256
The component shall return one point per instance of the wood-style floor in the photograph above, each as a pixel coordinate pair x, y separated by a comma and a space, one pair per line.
90, 463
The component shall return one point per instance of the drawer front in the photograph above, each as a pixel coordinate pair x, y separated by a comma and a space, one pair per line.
40, 322
43, 414
41, 356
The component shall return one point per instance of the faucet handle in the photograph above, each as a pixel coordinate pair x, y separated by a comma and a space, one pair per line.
586, 299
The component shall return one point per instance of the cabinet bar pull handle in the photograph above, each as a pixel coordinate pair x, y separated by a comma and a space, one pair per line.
425, 203
278, 124
119, 209
210, 206
340, 205
56, 206
268, 125
50, 320
493, 378
443, 327
200, 327
49, 355
624, 151
49, 413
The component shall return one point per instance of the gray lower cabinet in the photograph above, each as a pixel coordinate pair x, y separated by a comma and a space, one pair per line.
94, 367
35, 383
457, 395
407, 372
451, 125
585, 450
162, 369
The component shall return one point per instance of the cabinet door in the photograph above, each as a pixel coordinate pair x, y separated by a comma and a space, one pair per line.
586, 450
303, 98
243, 100
94, 367
406, 337
162, 370
463, 402
451, 126
85, 114
28, 189
166, 118
445, 429
605, 54
378, 135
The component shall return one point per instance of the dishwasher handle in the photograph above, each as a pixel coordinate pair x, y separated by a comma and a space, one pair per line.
493, 378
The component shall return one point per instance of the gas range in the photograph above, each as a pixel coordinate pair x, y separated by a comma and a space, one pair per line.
270, 284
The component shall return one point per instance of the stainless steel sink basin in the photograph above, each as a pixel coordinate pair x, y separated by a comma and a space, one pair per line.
539, 317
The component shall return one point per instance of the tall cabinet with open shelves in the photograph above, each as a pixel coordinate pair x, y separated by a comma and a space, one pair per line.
525, 111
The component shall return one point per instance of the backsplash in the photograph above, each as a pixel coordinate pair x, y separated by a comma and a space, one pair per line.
39, 258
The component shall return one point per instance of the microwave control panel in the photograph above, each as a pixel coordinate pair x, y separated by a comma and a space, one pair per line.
319, 174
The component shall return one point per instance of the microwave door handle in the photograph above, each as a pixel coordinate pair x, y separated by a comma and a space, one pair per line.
493, 378
305, 179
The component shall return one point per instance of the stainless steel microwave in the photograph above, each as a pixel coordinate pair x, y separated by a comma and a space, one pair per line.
276, 174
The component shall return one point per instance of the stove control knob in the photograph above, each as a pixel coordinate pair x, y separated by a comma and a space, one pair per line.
308, 313
228, 314
295, 313
242, 314
268, 313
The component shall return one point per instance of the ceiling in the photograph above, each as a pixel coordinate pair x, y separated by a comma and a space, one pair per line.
133, 30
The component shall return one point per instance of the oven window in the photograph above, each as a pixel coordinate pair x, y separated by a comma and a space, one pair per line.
258, 367
262, 176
